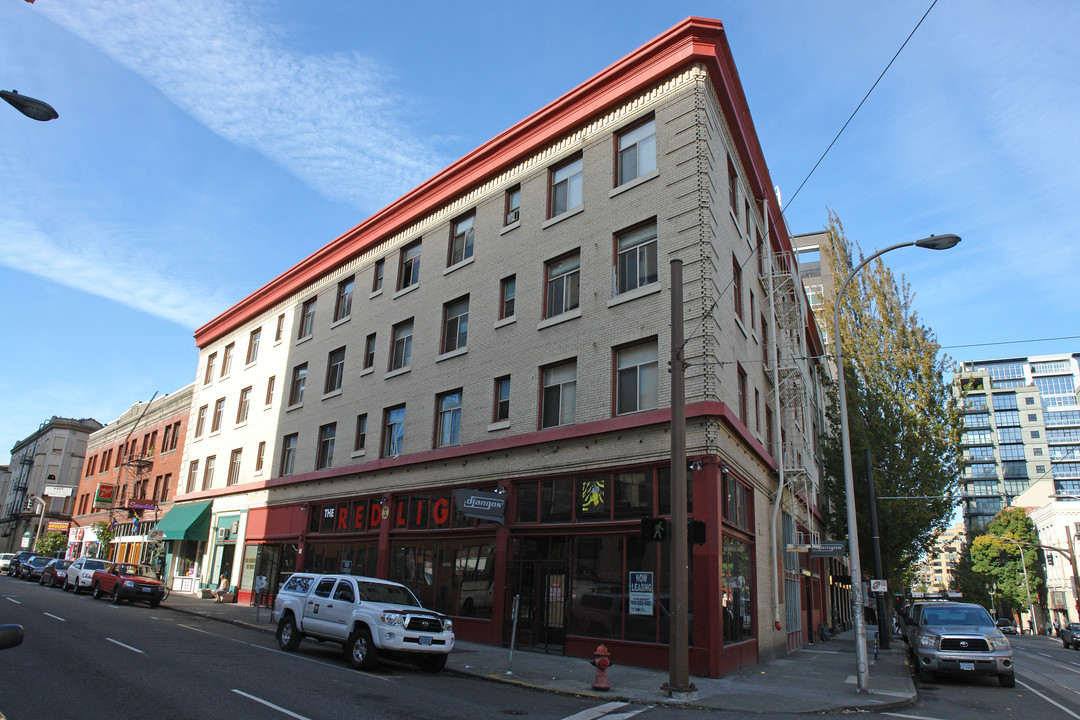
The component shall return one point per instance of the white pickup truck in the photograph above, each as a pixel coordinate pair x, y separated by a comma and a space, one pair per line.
368, 616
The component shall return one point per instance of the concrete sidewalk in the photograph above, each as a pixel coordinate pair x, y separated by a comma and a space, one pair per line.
820, 678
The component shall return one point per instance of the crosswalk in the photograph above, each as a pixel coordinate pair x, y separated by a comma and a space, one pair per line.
607, 711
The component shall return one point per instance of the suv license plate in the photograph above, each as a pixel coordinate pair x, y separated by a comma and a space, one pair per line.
967, 666
146, 589
424, 640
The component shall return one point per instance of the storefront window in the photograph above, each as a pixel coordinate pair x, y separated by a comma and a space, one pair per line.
526, 501
633, 495
663, 481
413, 565
462, 580
556, 500
737, 601
592, 498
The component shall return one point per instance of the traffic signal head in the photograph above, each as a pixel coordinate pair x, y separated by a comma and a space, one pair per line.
654, 529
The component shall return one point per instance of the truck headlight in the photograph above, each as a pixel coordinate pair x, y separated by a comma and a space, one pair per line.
129, 583
393, 618
1000, 642
447, 625
927, 641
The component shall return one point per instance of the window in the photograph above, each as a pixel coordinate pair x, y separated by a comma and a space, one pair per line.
637, 152
635, 378
243, 406
448, 408
280, 328
377, 275
307, 319
635, 264
234, 467
369, 351
461, 241
299, 379
270, 391
393, 431
288, 454
200, 425
401, 352
757, 410
502, 399
742, 395
559, 394
259, 456
409, 270
325, 458
209, 376
513, 205
208, 472
764, 342
753, 310
343, 306
769, 428
562, 284
226, 360
361, 432
507, 293
335, 370
455, 324
746, 216
565, 188
165, 482
733, 187
253, 346
736, 286
219, 411
193, 475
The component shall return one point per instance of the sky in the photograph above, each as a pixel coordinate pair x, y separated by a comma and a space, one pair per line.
205, 147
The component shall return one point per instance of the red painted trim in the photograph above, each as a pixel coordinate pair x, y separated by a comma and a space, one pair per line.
695, 40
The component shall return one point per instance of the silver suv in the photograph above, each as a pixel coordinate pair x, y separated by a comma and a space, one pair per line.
953, 637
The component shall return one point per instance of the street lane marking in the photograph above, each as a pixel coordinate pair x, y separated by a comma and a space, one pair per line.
132, 649
1055, 704
56, 617
911, 717
290, 713
13, 600
599, 710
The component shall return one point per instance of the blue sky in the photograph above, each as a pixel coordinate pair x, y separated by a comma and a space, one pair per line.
204, 147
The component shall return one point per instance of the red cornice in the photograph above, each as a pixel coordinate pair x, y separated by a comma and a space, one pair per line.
695, 40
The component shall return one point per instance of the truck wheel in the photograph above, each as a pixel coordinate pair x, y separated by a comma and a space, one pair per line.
1007, 681
433, 663
288, 637
360, 650
97, 591
116, 594
154, 603
927, 676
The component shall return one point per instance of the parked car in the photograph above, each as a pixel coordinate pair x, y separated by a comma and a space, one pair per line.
1007, 626
31, 569
55, 573
5, 561
128, 581
955, 637
20, 557
367, 616
80, 574
1070, 635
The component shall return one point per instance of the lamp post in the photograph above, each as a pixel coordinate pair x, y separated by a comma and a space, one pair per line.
934, 242
28, 106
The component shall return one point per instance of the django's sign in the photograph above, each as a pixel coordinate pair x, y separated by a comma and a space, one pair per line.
481, 505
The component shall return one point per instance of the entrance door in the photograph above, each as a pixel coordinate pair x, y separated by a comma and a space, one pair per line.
538, 572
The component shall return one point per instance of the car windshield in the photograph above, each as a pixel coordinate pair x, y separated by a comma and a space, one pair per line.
137, 571
39, 561
956, 616
94, 565
383, 593
62, 564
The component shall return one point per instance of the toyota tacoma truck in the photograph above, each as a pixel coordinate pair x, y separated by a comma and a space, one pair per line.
371, 618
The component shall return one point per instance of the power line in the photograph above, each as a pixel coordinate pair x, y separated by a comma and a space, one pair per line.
1012, 342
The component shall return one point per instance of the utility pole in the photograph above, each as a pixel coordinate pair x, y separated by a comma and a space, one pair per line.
884, 627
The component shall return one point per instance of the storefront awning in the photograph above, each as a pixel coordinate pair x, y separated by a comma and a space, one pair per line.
190, 521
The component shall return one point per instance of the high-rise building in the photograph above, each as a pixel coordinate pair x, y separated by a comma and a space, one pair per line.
935, 571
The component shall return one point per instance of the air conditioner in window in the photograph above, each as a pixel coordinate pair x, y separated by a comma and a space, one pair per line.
223, 533
512, 216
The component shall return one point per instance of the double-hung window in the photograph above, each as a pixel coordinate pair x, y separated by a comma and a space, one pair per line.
636, 378
502, 399
288, 454
566, 188
393, 431
325, 459
253, 346
461, 241
219, 411
409, 269
562, 284
335, 370
636, 258
361, 432
226, 360
193, 475
559, 394
369, 351
307, 319
742, 396
637, 152
209, 376
200, 425
513, 205
299, 380
401, 350
507, 294
234, 467
377, 276
343, 306
736, 286
208, 472
448, 430
243, 406
455, 324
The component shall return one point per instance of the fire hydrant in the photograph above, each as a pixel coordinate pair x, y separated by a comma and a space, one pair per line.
602, 661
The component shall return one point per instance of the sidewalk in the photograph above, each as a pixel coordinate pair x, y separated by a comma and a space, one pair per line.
820, 678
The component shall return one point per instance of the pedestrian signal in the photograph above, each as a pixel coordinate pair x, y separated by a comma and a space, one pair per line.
654, 529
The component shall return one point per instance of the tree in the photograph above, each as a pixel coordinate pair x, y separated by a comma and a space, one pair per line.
1000, 559
105, 535
50, 543
975, 586
899, 405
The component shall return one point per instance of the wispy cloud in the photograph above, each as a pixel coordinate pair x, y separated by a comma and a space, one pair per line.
330, 120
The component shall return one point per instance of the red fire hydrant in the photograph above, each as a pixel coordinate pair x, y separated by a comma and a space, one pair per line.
602, 661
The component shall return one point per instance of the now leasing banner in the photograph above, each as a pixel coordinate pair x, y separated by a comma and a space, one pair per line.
480, 504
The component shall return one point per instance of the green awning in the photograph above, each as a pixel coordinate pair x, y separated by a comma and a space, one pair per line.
190, 521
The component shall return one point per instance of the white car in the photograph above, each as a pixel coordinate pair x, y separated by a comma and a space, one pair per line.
5, 561
80, 574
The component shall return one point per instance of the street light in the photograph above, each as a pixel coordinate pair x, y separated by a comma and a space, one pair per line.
28, 106
934, 242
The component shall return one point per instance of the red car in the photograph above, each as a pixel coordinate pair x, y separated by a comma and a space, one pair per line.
128, 581
55, 573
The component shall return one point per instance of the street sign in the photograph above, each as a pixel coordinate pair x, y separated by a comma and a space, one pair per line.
879, 586
58, 491
829, 549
